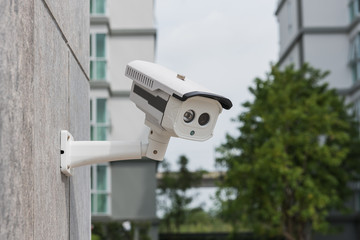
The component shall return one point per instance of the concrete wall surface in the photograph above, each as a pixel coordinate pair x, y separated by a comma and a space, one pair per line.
288, 24
122, 113
43, 89
132, 14
133, 190
316, 52
325, 13
125, 49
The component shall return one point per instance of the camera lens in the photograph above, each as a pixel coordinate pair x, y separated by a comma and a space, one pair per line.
189, 116
204, 119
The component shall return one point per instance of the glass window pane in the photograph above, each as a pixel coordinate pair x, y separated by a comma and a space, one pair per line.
100, 6
357, 115
91, 6
100, 45
101, 181
357, 70
91, 109
351, 11
353, 72
92, 135
357, 46
100, 70
101, 133
91, 177
101, 203
93, 202
92, 70
101, 110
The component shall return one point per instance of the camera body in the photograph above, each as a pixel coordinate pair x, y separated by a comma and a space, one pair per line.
174, 105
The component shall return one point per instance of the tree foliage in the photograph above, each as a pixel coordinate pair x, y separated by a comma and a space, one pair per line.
114, 230
297, 151
174, 186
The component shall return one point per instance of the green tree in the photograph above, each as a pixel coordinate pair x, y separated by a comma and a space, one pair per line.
114, 230
174, 186
297, 151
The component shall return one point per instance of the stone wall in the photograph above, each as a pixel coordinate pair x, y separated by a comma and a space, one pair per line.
44, 88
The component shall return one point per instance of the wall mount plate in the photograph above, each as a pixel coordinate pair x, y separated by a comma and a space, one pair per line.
66, 139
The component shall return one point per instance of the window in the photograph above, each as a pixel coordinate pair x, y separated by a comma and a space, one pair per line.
354, 9
98, 56
100, 189
355, 58
356, 105
99, 121
97, 7
100, 174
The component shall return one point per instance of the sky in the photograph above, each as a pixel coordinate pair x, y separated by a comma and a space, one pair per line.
223, 45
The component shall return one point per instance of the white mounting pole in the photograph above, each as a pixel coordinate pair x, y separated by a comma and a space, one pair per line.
158, 142
81, 153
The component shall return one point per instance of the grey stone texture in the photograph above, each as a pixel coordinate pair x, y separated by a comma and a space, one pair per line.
43, 89
79, 128
73, 18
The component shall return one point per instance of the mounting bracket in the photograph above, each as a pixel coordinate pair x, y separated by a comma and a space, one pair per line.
81, 153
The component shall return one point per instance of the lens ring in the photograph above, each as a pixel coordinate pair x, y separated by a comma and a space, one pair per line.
189, 115
204, 119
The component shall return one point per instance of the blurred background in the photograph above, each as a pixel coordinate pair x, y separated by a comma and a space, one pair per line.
223, 45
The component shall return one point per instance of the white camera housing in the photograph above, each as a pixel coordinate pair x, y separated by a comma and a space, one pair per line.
174, 105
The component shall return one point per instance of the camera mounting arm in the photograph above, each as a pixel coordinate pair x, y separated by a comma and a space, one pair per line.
81, 153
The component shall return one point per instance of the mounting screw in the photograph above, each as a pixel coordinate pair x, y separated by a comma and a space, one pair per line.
181, 77
155, 151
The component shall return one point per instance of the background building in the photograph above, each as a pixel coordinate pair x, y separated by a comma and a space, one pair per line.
44, 88
326, 34
120, 31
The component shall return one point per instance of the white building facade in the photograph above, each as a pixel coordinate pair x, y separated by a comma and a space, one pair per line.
120, 31
326, 34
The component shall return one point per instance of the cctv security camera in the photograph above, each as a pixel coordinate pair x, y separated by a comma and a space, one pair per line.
174, 105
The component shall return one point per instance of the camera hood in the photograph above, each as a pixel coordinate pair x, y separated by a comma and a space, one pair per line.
156, 77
